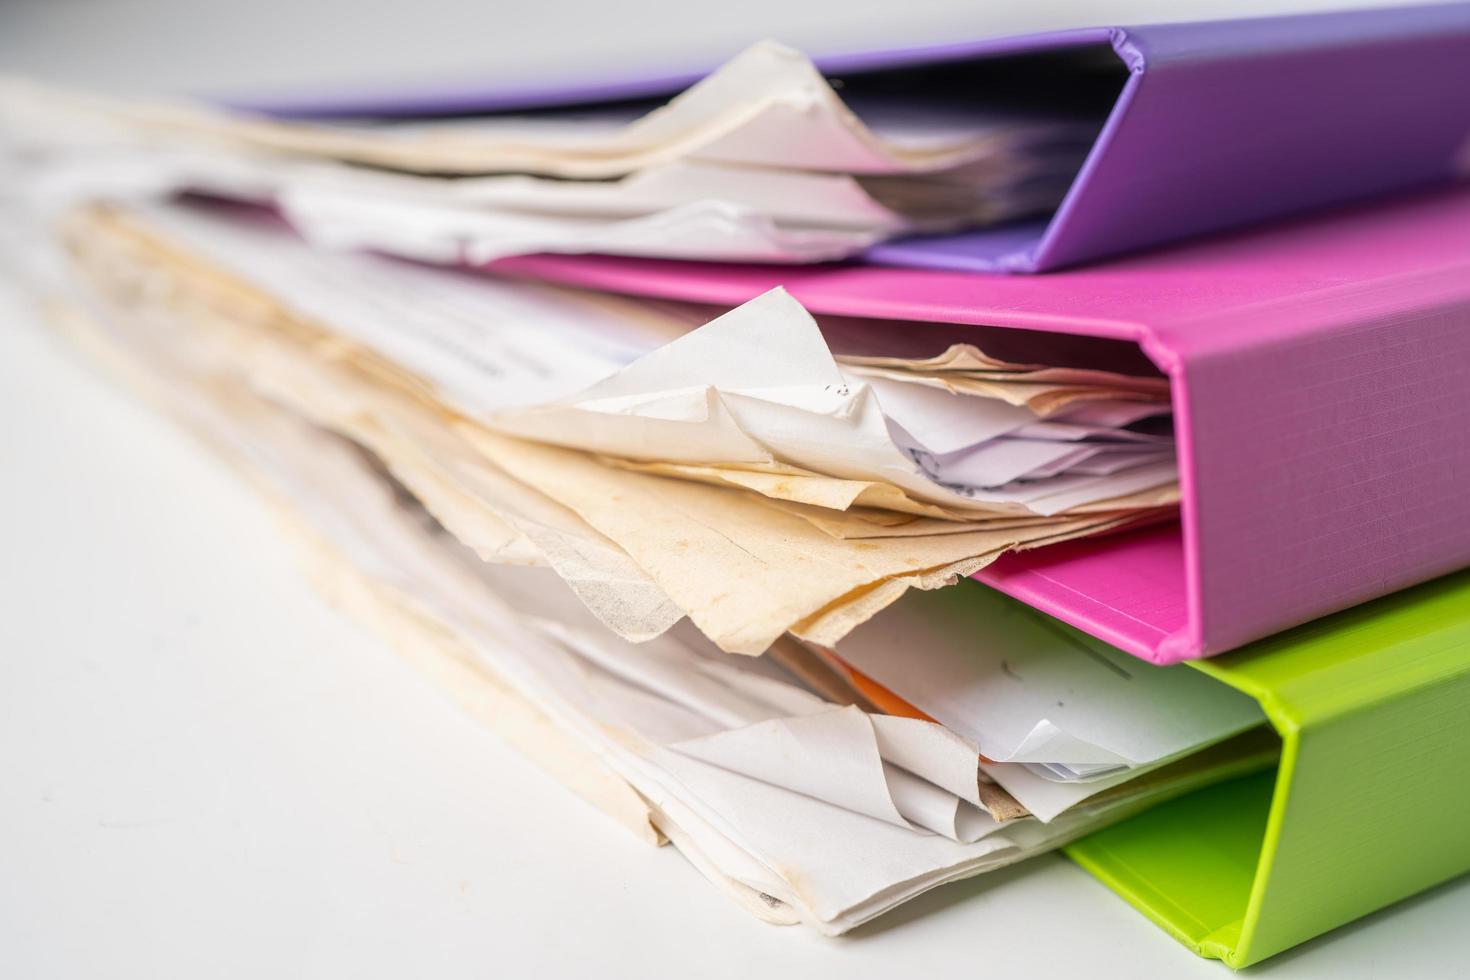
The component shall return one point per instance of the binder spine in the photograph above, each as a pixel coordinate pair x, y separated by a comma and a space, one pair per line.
1322, 450
1256, 117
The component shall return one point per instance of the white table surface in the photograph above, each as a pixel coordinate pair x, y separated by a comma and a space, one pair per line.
206, 771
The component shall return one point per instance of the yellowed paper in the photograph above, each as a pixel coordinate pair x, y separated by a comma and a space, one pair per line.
744, 572
1044, 397
429, 645
967, 360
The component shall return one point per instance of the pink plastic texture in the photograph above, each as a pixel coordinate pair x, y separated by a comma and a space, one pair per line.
1321, 378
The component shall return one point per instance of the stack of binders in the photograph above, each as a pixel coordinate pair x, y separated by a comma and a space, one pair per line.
864, 472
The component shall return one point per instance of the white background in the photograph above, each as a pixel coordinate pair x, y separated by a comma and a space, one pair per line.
205, 771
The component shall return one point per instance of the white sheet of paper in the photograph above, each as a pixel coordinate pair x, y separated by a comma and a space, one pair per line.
1074, 432
835, 756
1110, 414
1000, 461
1061, 493
942, 422
1095, 460
487, 343
759, 385
709, 229
1026, 689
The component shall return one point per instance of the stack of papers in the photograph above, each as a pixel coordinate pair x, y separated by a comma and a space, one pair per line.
760, 161
574, 508
801, 807
796, 503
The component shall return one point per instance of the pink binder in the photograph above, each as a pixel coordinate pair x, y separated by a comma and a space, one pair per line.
1321, 379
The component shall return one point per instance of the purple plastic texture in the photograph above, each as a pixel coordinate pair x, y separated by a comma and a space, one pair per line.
1228, 122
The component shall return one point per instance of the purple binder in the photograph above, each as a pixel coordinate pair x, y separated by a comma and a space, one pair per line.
1212, 125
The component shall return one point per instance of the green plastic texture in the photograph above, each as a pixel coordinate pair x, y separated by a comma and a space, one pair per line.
1369, 804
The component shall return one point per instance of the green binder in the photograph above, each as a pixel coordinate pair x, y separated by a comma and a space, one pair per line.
1369, 804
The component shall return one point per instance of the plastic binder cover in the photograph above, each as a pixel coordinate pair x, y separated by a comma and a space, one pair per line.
1318, 372
1201, 126
1368, 805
